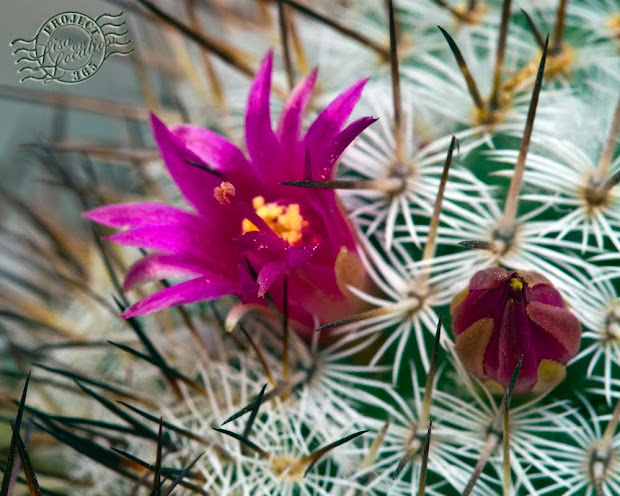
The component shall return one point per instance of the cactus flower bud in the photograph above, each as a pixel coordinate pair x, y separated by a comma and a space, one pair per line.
503, 315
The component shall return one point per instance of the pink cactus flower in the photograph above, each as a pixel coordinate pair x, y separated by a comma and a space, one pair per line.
242, 219
503, 315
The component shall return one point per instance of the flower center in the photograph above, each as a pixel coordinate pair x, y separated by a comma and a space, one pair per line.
284, 220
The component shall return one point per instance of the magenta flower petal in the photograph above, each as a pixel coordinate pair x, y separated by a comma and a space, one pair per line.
199, 289
217, 152
326, 203
179, 239
268, 274
334, 224
289, 125
488, 279
558, 323
261, 141
345, 137
515, 339
248, 288
297, 256
503, 315
196, 185
545, 293
159, 266
327, 125
274, 257
265, 252
137, 215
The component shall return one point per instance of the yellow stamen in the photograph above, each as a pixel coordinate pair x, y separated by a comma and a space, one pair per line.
516, 284
285, 221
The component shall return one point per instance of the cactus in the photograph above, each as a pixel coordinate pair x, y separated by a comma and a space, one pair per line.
379, 294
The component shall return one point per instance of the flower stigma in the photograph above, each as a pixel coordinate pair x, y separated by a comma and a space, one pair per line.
224, 193
516, 284
284, 220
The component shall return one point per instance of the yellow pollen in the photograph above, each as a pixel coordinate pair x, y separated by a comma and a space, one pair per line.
285, 221
224, 193
516, 284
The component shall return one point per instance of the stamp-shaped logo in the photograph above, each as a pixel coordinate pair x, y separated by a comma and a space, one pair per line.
70, 47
